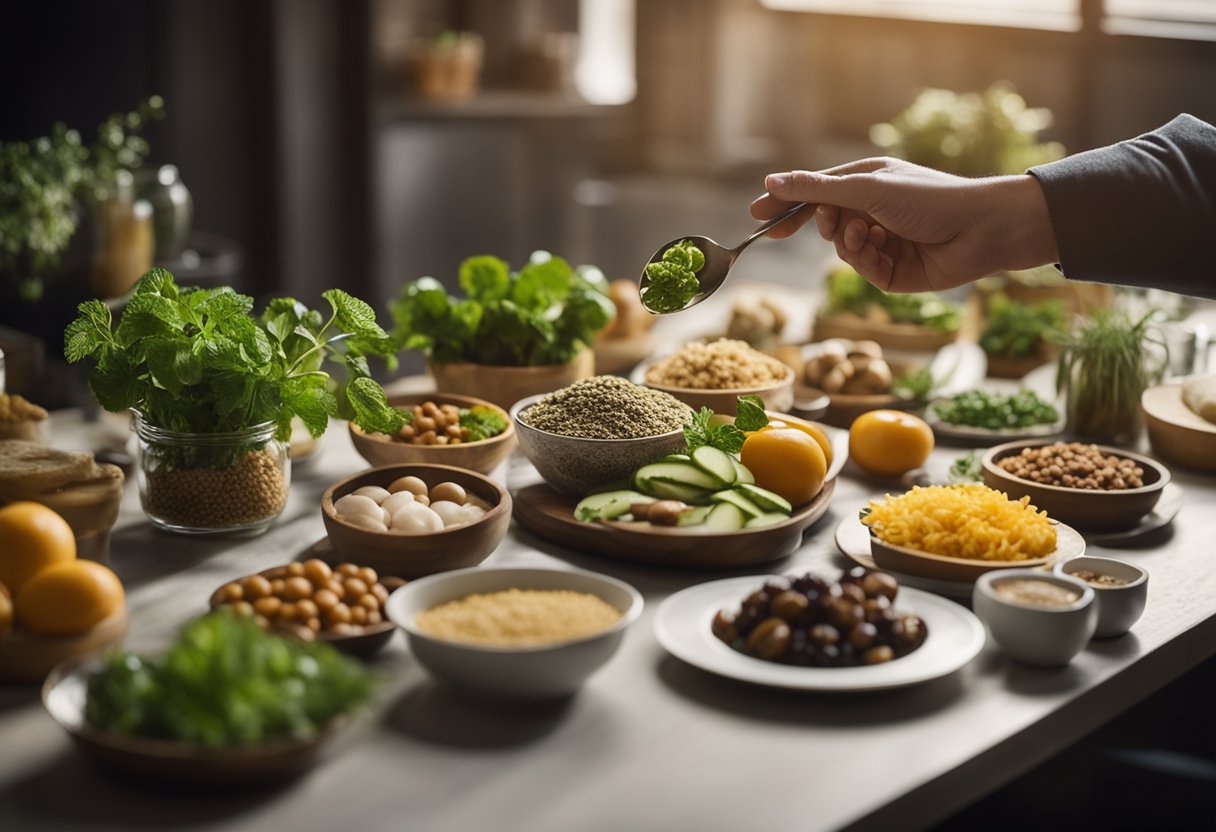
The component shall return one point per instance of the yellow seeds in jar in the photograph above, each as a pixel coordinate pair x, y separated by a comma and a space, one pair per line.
519, 617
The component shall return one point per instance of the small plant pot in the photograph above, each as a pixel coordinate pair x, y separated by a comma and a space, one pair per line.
212, 483
504, 386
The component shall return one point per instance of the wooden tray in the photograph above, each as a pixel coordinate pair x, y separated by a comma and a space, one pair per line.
548, 514
891, 336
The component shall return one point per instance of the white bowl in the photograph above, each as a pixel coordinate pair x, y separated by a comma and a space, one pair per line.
541, 672
1119, 607
1045, 636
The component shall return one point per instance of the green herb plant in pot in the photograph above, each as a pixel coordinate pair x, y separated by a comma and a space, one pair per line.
514, 335
1106, 363
214, 389
1015, 336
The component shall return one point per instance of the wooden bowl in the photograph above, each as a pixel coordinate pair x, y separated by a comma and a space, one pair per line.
484, 456
843, 408
890, 336
1177, 433
169, 762
908, 561
414, 555
618, 356
29, 658
1095, 511
370, 641
506, 385
778, 396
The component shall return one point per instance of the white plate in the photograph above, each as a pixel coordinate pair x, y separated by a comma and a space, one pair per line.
949, 430
682, 625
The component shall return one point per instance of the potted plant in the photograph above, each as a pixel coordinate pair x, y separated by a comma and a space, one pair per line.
214, 389
45, 182
448, 65
1015, 335
514, 335
1106, 363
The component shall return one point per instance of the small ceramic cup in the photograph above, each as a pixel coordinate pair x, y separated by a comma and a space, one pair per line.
1033, 633
1119, 607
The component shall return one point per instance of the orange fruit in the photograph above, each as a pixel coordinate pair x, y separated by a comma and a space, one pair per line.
34, 538
889, 442
786, 461
68, 599
782, 420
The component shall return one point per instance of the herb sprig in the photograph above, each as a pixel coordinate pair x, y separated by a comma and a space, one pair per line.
725, 436
197, 361
673, 279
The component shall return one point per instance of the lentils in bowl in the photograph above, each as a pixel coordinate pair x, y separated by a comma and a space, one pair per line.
597, 431
1090, 487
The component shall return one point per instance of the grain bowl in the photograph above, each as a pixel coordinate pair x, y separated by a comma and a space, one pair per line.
539, 671
716, 373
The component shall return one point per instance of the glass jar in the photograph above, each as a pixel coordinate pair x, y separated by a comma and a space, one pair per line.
1102, 401
172, 208
123, 244
212, 483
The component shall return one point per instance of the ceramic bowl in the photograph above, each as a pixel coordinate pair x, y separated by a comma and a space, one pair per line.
779, 396
483, 457
1176, 432
169, 762
1095, 511
1119, 607
543, 672
1044, 636
414, 555
575, 466
29, 658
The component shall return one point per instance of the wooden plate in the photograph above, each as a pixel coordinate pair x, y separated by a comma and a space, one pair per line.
164, 761
891, 336
29, 658
550, 515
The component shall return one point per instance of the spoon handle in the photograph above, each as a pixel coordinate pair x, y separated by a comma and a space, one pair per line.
760, 232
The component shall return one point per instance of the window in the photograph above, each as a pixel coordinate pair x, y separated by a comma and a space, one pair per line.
1186, 19
1061, 15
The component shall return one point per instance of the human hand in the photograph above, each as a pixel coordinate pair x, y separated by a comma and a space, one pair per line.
908, 228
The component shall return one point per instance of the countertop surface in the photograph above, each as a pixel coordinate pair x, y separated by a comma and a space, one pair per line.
650, 742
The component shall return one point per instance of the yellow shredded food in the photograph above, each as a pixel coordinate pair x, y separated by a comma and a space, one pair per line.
519, 617
963, 521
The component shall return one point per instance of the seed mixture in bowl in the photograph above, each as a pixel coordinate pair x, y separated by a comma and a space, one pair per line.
607, 407
519, 617
717, 365
969, 521
1074, 465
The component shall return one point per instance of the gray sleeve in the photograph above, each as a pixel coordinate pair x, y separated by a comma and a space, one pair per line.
1141, 212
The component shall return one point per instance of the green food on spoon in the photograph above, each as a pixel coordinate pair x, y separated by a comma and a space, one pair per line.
673, 280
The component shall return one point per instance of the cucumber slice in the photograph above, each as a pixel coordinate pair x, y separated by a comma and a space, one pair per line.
665, 490
715, 463
677, 458
763, 520
600, 506
725, 517
742, 473
683, 473
764, 498
745, 505
694, 516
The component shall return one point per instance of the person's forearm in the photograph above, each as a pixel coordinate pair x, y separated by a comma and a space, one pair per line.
1020, 221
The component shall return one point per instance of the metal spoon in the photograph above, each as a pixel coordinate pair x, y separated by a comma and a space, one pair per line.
718, 258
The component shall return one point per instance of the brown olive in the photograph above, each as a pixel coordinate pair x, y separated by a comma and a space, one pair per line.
911, 634
665, 512
769, 640
824, 634
862, 635
878, 584
789, 604
843, 613
724, 627
878, 655
853, 591
877, 609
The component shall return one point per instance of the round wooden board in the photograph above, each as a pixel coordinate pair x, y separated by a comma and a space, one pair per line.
548, 514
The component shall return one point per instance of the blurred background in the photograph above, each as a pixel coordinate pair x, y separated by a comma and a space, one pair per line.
364, 143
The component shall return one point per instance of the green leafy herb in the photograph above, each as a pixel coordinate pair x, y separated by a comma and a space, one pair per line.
1016, 329
915, 386
544, 314
967, 468
849, 292
673, 279
722, 434
224, 682
195, 361
995, 411
482, 422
